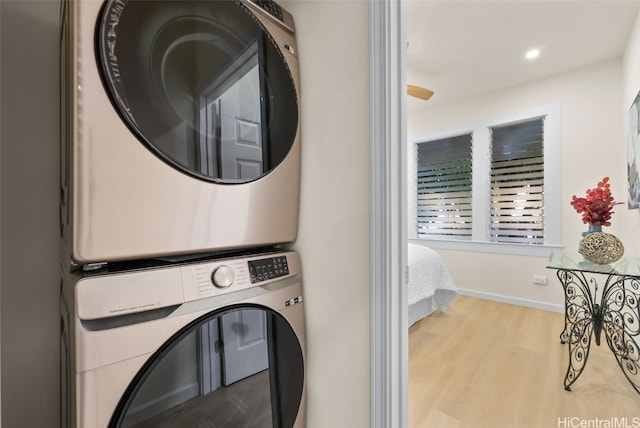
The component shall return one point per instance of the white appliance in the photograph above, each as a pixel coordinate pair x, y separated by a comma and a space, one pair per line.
218, 342
180, 128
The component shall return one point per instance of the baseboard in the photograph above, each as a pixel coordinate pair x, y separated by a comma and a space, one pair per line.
512, 300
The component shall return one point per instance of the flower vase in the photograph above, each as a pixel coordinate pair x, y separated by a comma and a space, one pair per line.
592, 228
599, 247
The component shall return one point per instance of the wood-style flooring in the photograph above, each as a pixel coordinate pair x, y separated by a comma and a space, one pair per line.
491, 364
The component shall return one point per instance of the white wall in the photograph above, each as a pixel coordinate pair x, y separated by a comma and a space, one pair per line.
630, 89
0, 232
593, 146
631, 67
333, 42
29, 198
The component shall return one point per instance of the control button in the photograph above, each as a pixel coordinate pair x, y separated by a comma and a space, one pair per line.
270, 7
268, 269
222, 276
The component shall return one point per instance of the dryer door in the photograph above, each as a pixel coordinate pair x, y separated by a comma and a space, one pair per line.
202, 84
239, 367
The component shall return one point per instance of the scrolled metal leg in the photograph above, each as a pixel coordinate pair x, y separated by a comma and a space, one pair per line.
622, 327
579, 345
564, 277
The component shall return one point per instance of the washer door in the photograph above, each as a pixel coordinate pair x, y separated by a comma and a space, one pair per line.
240, 367
200, 83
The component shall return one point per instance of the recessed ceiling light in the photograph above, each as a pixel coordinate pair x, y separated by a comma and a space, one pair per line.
532, 54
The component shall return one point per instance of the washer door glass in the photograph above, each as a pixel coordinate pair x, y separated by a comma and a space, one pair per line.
238, 368
200, 83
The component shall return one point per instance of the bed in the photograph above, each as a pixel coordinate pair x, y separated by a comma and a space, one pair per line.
430, 284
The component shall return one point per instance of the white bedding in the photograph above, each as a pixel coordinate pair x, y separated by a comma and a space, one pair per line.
430, 284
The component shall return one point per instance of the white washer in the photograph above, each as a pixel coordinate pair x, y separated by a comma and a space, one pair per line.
180, 127
219, 343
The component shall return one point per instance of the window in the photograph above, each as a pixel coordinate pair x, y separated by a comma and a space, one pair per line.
517, 183
444, 188
482, 186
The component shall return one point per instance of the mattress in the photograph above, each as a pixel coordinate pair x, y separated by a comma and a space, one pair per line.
431, 287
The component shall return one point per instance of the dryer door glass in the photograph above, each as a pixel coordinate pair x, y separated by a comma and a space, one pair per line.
237, 368
202, 84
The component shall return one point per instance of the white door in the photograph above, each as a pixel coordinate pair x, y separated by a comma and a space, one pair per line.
230, 121
241, 133
244, 337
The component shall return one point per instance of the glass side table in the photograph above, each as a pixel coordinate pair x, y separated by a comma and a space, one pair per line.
600, 298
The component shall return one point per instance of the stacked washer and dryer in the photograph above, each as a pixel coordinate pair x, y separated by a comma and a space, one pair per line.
181, 305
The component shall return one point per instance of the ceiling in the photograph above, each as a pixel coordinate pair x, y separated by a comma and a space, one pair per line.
461, 48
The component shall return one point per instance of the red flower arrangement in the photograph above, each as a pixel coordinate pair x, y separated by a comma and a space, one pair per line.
596, 207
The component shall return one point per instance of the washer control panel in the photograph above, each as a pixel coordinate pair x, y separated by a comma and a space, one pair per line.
138, 291
269, 268
202, 280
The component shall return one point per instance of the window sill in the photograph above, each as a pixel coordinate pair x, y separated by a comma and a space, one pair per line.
489, 247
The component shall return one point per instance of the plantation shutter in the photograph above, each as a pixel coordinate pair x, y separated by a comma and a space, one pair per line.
444, 188
517, 183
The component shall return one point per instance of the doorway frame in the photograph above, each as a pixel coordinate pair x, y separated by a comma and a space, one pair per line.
389, 313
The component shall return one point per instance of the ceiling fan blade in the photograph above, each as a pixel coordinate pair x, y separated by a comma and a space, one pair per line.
418, 92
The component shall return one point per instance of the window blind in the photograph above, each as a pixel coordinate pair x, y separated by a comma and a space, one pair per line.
444, 188
517, 183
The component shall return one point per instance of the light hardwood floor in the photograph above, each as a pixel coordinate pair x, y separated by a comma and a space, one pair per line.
490, 364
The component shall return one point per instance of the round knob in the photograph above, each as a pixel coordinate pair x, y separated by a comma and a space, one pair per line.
222, 276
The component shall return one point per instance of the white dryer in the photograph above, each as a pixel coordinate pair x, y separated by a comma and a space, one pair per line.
212, 343
180, 127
